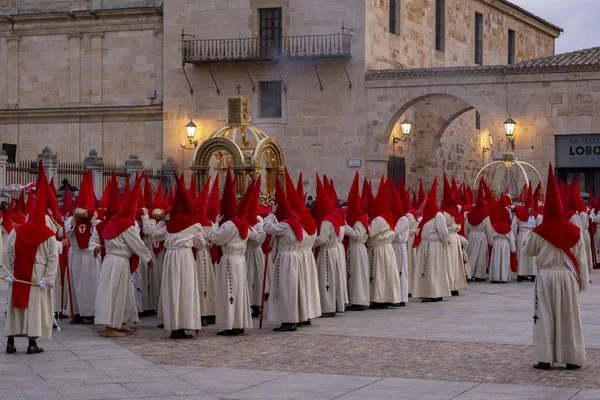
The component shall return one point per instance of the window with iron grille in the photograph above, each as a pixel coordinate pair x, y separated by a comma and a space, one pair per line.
477, 120
478, 38
394, 17
270, 99
511, 46
270, 34
440, 24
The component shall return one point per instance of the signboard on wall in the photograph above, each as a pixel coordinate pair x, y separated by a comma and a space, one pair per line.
578, 151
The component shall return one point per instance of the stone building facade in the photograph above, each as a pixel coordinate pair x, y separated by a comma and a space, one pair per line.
108, 74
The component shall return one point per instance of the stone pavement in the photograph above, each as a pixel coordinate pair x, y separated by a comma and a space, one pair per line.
476, 346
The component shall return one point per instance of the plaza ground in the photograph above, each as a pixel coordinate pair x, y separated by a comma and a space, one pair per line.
475, 346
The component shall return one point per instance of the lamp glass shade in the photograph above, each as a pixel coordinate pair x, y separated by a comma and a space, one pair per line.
191, 129
509, 127
405, 126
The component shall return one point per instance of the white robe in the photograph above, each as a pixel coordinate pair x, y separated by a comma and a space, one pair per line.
480, 237
522, 231
331, 265
432, 260
285, 287
36, 320
456, 273
557, 332
141, 277
179, 293
358, 264
57, 289
383, 269
595, 219
310, 300
255, 263
500, 261
412, 231
84, 271
115, 301
155, 273
583, 257
233, 298
205, 272
401, 251
587, 242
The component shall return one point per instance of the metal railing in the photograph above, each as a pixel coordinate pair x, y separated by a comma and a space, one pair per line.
336, 45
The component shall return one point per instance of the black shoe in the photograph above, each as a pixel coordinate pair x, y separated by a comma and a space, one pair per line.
356, 307
503, 281
161, 326
520, 278
541, 365
428, 300
409, 295
573, 366
532, 278
286, 328
454, 293
402, 304
494, 282
204, 321
395, 304
10, 348
211, 319
379, 306
266, 296
239, 331
180, 334
307, 323
439, 299
255, 311
327, 315
227, 332
143, 314
34, 349
77, 320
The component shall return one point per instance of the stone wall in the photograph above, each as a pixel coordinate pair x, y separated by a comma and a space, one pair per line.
44, 6
414, 46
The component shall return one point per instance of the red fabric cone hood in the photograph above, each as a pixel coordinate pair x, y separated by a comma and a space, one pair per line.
201, 205
7, 222
429, 211
284, 212
479, 211
251, 213
381, 206
213, 206
448, 204
229, 208
158, 202
355, 211
300, 189
325, 211
297, 204
183, 210
421, 197
395, 204
126, 216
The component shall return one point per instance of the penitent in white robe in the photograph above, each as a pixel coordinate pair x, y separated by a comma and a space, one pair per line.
583, 256
255, 263
557, 332
115, 301
179, 293
586, 239
456, 273
521, 231
285, 287
141, 277
85, 274
500, 260
383, 270
413, 224
205, 273
36, 320
401, 251
310, 298
358, 264
331, 265
431, 279
595, 219
480, 237
233, 298
57, 289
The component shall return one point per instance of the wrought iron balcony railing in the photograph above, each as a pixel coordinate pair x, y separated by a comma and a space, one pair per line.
335, 45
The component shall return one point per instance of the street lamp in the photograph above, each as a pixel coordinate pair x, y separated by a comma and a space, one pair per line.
191, 132
405, 126
509, 131
486, 149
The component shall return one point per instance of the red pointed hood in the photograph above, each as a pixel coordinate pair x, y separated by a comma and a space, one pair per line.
7, 222
448, 204
501, 222
479, 212
591, 201
29, 202
126, 216
85, 199
229, 208
454, 187
300, 189
421, 197
325, 211
201, 205
355, 211
414, 202
68, 206
470, 196
381, 205
555, 227
395, 204
297, 204
18, 216
429, 211
537, 195
284, 212
579, 204
193, 189
148, 197
213, 206
183, 210
158, 202
334, 196
104, 198
251, 214
404, 197
113, 201
126, 188
35, 231
366, 198
522, 212
243, 203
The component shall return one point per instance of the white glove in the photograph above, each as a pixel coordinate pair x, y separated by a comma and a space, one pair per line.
44, 285
531, 222
9, 279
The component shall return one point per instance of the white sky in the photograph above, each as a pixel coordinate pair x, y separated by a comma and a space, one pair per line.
579, 18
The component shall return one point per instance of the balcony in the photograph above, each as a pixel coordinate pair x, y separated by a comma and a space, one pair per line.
335, 45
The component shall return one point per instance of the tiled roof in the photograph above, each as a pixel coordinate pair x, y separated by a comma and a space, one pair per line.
524, 11
576, 61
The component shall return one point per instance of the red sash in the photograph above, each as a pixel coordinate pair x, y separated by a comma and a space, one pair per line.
83, 232
134, 263
157, 247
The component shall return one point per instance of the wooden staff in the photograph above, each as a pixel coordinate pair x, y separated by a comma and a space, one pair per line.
20, 281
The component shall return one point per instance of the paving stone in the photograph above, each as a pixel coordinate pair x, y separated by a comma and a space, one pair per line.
221, 381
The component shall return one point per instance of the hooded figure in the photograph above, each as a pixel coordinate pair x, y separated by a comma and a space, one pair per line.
115, 301
504, 245
556, 244
356, 229
6, 226
458, 270
582, 212
413, 223
30, 255
384, 277
331, 260
480, 236
526, 218
400, 243
255, 258
84, 267
431, 281
595, 227
230, 232
285, 295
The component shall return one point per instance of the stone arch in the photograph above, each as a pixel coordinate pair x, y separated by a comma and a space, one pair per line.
201, 165
276, 165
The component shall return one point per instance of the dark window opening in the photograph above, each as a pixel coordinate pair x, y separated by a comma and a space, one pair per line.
270, 99
270, 31
477, 120
440, 14
511, 46
478, 38
394, 28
